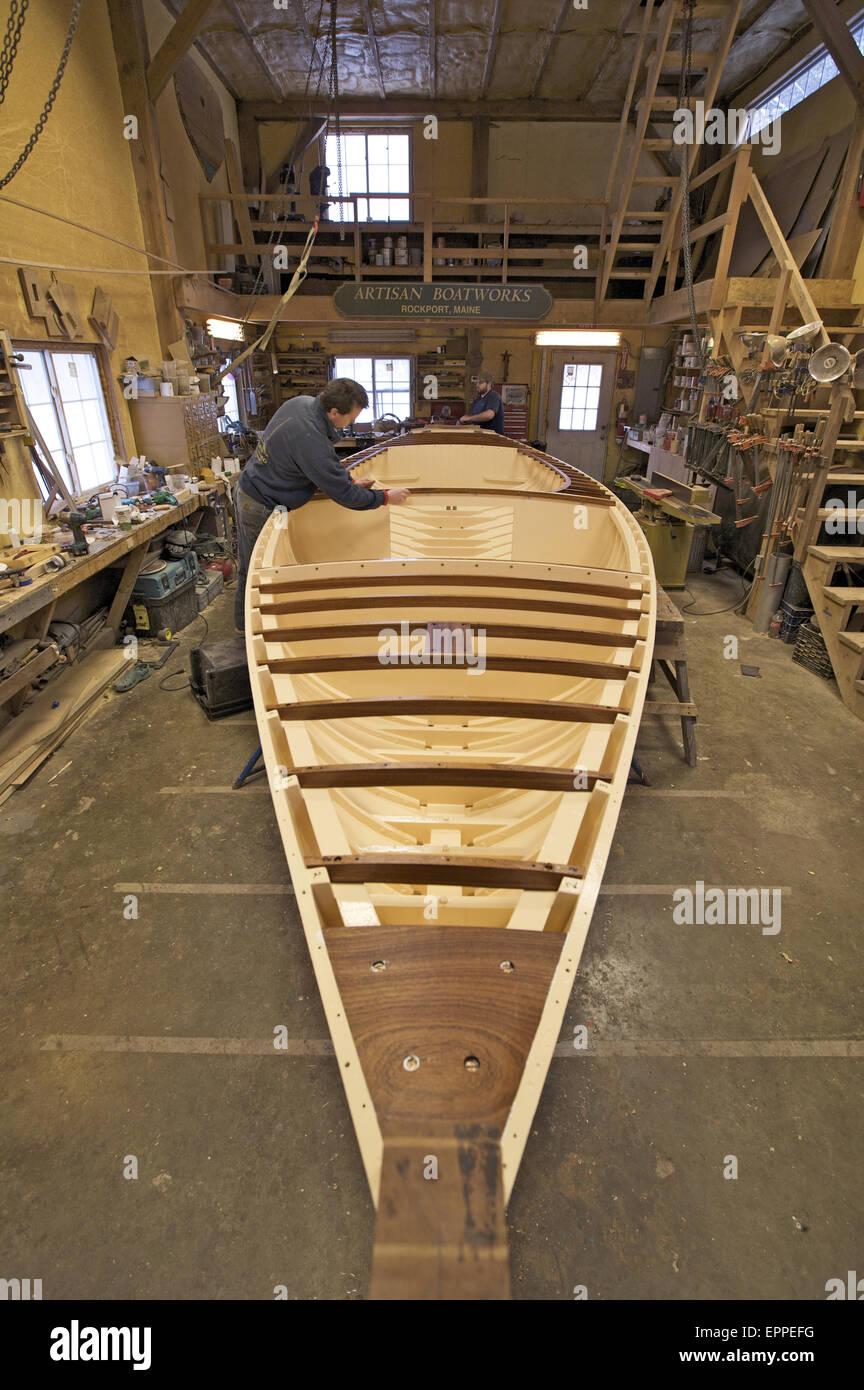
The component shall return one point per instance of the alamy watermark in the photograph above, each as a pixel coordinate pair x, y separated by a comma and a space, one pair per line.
443, 644
715, 126
720, 907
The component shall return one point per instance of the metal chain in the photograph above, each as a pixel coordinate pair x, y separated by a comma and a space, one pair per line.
686, 249
334, 97
11, 40
52, 96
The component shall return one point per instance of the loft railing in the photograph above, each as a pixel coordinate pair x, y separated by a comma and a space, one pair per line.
490, 245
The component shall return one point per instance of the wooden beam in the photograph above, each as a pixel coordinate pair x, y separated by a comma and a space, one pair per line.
847, 222
373, 42
255, 47
439, 578
741, 179
670, 308
446, 109
834, 33
550, 44
798, 289
449, 708
400, 602
407, 866
523, 632
175, 11
503, 776
177, 43
250, 149
519, 665
130, 47
492, 49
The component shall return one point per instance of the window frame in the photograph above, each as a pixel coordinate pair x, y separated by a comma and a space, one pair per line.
103, 368
795, 74
366, 131
384, 357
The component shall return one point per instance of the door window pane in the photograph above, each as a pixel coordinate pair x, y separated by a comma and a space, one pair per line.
580, 396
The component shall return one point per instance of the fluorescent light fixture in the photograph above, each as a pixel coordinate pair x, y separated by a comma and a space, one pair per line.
225, 328
365, 335
577, 337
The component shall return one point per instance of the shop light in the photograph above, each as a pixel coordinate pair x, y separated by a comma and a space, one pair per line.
577, 337
227, 329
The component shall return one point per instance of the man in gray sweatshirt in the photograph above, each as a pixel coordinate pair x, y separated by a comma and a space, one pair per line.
294, 459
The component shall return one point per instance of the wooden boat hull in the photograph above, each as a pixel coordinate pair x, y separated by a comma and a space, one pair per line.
448, 695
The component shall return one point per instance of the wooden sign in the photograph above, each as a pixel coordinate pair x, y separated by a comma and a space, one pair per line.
402, 301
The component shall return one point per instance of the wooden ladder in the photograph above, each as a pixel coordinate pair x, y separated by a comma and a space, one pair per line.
639, 110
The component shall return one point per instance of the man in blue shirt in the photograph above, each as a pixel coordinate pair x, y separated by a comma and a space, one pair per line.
487, 411
294, 459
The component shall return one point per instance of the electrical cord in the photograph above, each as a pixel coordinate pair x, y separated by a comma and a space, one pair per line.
739, 602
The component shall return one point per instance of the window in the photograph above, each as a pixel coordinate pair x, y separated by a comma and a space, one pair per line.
387, 381
580, 396
63, 391
379, 165
819, 69
232, 408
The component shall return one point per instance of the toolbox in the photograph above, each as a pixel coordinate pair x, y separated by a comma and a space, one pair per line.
219, 677
161, 577
208, 586
171, 613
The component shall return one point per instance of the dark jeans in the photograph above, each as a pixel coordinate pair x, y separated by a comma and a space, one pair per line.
249, 518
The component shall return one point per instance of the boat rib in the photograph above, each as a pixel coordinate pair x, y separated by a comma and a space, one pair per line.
448, 695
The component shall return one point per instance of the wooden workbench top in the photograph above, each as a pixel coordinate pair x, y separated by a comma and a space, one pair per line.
18, 604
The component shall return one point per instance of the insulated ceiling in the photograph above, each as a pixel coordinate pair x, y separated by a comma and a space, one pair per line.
468, 49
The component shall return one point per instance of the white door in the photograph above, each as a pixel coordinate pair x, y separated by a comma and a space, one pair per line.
580, 405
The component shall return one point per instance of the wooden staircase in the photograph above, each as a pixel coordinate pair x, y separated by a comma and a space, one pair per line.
839, 612
655, 101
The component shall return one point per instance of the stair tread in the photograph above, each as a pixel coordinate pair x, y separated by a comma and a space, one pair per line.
850, 595
852, 553
841, 477
855, 640
825, 512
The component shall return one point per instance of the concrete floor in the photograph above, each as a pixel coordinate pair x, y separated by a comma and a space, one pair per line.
248, 1172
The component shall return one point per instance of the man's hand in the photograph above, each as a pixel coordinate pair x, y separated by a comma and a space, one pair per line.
397, 495
364, 482
464, 419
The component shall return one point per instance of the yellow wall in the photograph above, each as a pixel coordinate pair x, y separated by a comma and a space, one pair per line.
81, 170
180, 164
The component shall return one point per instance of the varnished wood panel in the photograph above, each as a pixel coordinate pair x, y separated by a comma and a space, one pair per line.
398, 866
450, 707
442, 997
505, 776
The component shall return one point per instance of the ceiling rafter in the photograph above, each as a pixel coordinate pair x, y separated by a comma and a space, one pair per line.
373, 40
253, 45
446, 109
550, 44
493, 47
175, 11
175, 45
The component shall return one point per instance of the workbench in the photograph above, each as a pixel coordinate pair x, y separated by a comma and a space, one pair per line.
33, 606
670, 657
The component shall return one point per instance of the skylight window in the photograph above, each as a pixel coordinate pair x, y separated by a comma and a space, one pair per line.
820, 70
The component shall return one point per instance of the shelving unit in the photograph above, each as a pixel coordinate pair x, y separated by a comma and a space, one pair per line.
302, 370
683, 394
